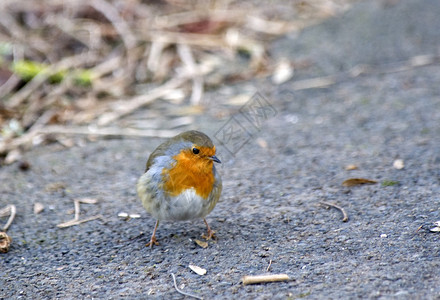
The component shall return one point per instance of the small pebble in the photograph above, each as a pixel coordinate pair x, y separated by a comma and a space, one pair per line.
123, 215
38, 207
398, 164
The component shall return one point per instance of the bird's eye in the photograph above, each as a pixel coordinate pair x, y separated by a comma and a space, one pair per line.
196, 151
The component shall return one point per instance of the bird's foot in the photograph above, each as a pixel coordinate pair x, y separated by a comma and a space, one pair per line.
152, 242
210, 233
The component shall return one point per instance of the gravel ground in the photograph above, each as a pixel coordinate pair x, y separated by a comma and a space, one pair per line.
270, 212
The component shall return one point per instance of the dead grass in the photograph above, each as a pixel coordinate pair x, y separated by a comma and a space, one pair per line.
65, 64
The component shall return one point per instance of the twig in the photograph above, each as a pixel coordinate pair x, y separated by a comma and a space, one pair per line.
217, 15
187, 58
420, 227
313, 83
195, 39
6, 145
154, 55
55, 94
107, 66
19, 35
258, 24
77, 209
128, 38
74, 61
268, 267
71, 28
344, 214
129, 106
77, 222
42, 120
10, 210
107, 131
182, 292
264, 278
112, 14
13, 80
40, 78
76, 203
87, 200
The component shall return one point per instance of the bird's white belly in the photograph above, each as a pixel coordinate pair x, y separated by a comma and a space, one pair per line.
186, 206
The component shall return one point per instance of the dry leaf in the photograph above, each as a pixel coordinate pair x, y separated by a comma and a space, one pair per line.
437, 228
5, 242
24, 166
398, 164
357, 181
38, 207
55, 186
351, 167
197, 269
202, 244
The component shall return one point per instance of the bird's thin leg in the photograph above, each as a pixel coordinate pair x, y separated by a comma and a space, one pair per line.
153, 237
210, 234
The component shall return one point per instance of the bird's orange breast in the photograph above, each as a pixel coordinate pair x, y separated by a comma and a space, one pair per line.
189, 171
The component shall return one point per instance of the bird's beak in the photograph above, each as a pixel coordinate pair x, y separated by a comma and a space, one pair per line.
214, 158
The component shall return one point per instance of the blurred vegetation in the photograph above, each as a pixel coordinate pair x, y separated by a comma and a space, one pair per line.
74, 63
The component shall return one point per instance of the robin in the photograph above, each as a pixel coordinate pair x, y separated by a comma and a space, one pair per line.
180, 181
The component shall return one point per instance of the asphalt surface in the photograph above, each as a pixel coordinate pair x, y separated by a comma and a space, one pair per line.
274, 181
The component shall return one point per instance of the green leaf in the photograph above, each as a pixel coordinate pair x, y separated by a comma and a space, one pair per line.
390, 183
